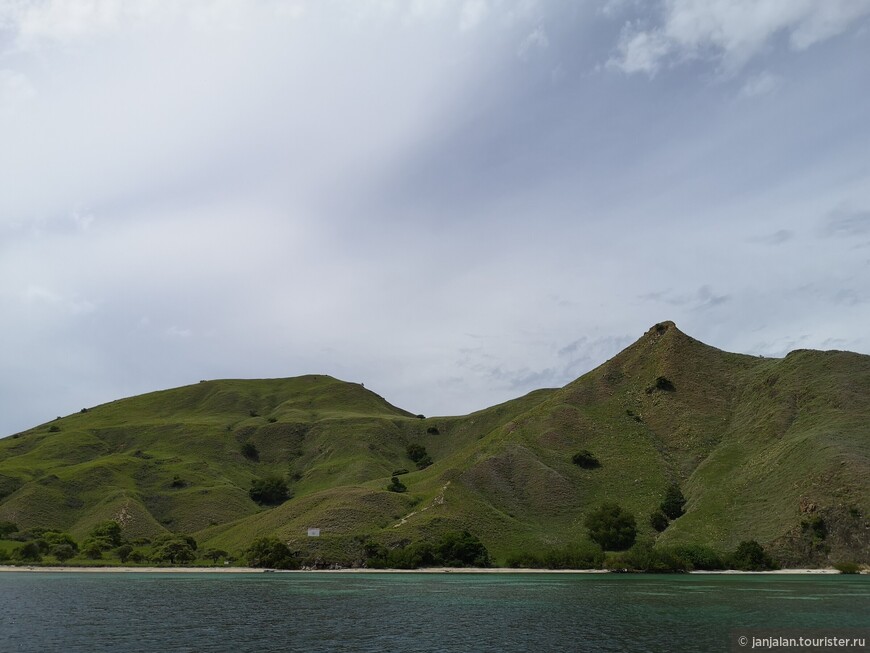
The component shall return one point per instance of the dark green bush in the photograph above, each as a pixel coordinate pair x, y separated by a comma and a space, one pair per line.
54, 428
424, 462
433, 430
272, 553
29, 552
585, 459
644, 556
270, 491
250, 451
611, 527
450, 550
582, 555
396, 485
699, 557
63, 552
673, 502
399, 472
107, 534
416, 452
658, 520
665, 384
848, 567
6, 528
751, 556
123, 552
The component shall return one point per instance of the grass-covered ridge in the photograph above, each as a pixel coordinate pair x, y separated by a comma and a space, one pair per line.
773, 450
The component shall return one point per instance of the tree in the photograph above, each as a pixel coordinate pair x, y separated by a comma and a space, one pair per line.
63, 552
272, 553
174, 549
7, 528
751, 556
215, 554
673, 503
611, 527
396, 485
29, 552
270, 491
123, 552
461, 550
108, 533
658, 520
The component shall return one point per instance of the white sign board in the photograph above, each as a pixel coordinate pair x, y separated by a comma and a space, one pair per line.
313, 532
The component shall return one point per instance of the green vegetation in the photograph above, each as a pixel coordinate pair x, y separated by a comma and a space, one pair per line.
751, 556
611, 527
585, 459
396, 485
450, 550
418, 454
848, 567
766, 450
272, 553
270, 491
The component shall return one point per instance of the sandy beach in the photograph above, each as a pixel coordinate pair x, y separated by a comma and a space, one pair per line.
430, 570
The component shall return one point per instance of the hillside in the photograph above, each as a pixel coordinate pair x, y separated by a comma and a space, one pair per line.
762, 448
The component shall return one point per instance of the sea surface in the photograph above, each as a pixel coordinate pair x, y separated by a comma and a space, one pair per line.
408, 613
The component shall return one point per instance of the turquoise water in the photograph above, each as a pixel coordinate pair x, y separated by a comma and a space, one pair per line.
408, 613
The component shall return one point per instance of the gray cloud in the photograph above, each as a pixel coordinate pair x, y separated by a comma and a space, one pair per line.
452, 202
845, 222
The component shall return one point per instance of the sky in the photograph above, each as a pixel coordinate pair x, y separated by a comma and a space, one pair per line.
453, 202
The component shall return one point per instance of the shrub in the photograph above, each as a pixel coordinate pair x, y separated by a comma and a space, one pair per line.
581, 555
272, 553
424, 462
270, 491
816, 526
6, 528
433, 430
848, 567
177, 482
611, 527
457, 549
123, 552
673, 503
751, 556
253, 413
415, 452
272, 420
400, 471
396, 485
665, 384
92, 549
54, 428
585, 459
700, 557
658, 520
644, 556
29, 552
249, 451
107, 534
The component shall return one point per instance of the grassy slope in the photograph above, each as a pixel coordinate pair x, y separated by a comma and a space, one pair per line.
758, 445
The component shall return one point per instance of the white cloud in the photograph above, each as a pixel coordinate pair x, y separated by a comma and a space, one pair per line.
472, 14
536, 40
760, 84
730, 32
17, 94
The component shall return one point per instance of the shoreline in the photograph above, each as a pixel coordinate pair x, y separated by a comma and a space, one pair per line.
428, 570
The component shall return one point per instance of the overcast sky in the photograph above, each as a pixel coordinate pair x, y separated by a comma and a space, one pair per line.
453, 202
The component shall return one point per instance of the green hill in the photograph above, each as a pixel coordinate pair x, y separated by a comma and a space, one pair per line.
776, 450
